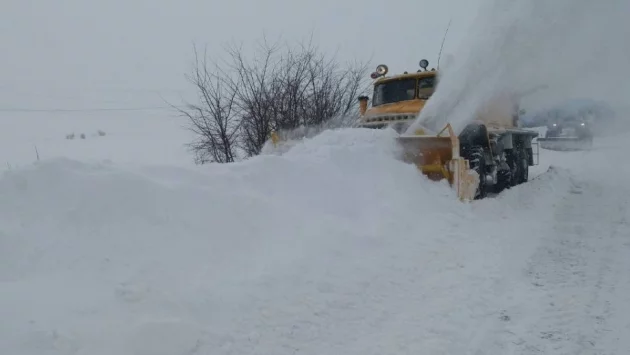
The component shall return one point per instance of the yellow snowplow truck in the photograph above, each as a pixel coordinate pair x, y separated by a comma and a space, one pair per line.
490, 154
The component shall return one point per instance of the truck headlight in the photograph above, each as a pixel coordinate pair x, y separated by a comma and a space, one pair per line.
382, 69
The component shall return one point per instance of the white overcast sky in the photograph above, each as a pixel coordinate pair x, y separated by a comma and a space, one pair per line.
125, 53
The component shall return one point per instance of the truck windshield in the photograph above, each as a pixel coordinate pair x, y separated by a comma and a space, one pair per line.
394, 91
426, 83
426, 86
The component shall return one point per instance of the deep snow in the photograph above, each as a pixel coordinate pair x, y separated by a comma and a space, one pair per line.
333, 247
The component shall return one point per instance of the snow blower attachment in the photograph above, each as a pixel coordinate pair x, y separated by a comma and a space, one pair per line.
438, 158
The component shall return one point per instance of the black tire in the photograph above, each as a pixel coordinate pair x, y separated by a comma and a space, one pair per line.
512, 158
504, 181
519, 163
525, 167
477, 160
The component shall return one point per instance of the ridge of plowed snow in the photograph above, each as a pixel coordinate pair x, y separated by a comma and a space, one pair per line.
333, 247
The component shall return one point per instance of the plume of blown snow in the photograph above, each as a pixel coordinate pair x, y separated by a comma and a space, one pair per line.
290, 137
539, 52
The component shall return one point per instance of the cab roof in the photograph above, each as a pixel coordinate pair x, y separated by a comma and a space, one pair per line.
412, 75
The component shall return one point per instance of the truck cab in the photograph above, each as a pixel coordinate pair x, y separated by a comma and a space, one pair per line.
397, 100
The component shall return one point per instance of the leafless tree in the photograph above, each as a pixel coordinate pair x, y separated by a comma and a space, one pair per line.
282, 88
215, 119
253, 84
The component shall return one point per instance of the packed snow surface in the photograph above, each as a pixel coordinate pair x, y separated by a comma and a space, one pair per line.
334, 247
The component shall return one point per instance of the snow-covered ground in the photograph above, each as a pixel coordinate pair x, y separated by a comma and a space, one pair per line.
109, 245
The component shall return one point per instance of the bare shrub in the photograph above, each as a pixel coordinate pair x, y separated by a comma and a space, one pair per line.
282, 88
214, 118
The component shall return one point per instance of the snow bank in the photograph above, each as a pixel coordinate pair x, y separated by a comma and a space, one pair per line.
333, 247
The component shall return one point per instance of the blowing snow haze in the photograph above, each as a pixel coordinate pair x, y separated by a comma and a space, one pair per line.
566, 48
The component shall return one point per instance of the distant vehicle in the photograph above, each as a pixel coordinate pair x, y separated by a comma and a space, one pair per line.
568, 134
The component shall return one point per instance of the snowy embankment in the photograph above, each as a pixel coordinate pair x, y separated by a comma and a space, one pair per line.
332, 248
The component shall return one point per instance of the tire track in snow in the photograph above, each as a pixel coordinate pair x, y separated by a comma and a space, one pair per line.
573, 276
487, 331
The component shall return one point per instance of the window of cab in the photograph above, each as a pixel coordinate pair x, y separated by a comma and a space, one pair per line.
403, 90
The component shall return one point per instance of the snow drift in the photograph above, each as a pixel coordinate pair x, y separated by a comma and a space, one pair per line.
333, 247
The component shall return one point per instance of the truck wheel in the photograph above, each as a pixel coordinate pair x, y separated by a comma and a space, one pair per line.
477, 160
504, 180
513, 158
525, 165
522, 167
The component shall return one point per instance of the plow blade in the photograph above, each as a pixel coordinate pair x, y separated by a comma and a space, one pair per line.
438, 158
565, 143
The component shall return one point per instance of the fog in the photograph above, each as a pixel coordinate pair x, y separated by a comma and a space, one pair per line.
84, 55
567, 49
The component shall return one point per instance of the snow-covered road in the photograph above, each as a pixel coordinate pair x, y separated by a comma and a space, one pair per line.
333, 247
573, 294
579, 277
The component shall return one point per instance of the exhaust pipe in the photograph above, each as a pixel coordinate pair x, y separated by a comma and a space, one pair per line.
363, 103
